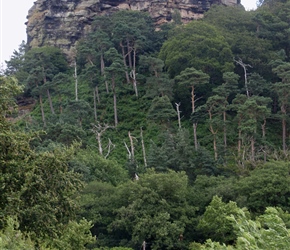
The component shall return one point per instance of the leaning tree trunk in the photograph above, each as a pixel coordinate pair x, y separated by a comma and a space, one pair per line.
143, 148
124, 62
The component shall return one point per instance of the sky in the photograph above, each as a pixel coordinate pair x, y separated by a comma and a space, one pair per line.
13, 30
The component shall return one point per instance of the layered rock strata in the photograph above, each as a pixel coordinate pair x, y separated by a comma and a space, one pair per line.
62, 23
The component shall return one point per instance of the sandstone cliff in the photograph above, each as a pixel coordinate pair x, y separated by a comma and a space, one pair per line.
62, 23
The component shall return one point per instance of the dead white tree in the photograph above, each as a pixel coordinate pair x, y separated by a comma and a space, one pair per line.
98, 130
131, 138
178, 114
244, 66
143, 148
128, 150
109, 147
76, 80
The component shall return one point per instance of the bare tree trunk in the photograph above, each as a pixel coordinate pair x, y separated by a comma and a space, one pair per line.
240, 62
76, 81
98, 137
98, 130
134, 73
143, 148
132, 145
50, 101
129, 51
192, 100
178, 114
125, 63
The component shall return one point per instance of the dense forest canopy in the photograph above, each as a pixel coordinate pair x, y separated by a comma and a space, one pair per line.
175, 138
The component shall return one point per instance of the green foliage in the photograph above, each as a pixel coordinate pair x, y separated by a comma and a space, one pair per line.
154, 210
197, 45
12, 238
267, 186
214, 222
75, 235
161, 110
96, 167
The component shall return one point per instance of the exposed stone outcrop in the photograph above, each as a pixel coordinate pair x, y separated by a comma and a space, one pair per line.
62, 23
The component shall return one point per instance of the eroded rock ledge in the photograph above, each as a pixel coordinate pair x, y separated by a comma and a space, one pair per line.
62, 23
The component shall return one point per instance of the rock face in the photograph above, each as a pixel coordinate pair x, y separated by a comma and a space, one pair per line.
62, 23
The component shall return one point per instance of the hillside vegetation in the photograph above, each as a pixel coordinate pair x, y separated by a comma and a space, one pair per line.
168, 139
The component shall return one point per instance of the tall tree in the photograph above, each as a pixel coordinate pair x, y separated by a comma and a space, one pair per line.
192, 78
132, 32
114, 69
282, 90
44, 63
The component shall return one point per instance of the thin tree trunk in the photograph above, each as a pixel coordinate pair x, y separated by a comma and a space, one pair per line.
76, 81
134, 73
125, 63
50, 101
129, 50
132, 145
178, 114
143, 148
192, 100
